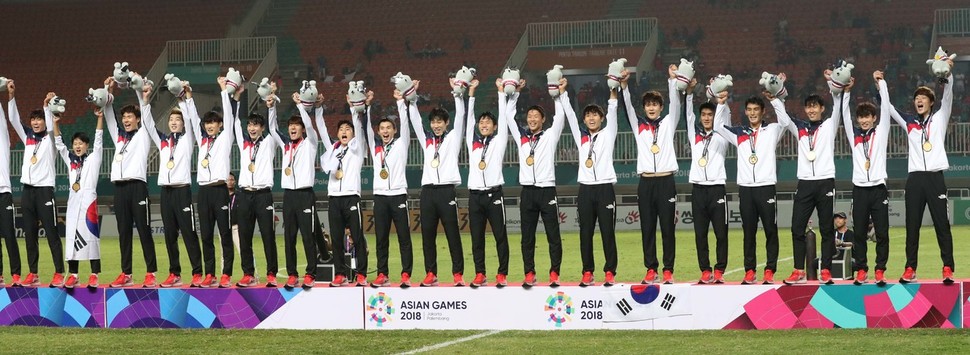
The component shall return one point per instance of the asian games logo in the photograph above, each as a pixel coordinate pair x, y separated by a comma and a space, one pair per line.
381, 308
560, 308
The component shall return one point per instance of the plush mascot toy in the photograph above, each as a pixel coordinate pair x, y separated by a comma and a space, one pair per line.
685, 73
615, 73
404, 85
718, 85
552, 80
775, 84
462, 79
357, 95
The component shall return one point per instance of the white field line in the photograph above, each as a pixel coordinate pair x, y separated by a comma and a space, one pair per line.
453, 342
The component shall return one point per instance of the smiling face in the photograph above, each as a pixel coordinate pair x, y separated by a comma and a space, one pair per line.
814, 111
387, 131
754, 113
296, 131
923, 104
535, 119
213, 128
594, 121
37, 124
255, 130
486, 125
438, 126
866, 122
176, 123
129, 121
707, 119
653, 109
79, 147
345, 132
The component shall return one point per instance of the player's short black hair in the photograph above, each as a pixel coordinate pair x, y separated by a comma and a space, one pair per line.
652, 97
439, 113
866, 109
212, 116
257, 119
131, 109
594, 109
755, 100
487, 115
537, 108
82, 136
814, 99
708, 106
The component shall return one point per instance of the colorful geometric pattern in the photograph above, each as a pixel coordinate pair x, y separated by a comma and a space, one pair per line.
193, 308
52, 307
381, 308
848, 306
560, 308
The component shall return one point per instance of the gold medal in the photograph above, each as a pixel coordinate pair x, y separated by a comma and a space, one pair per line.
33, 159
753, 159
702, 162
530, 160
482, 165
119, 157
384, 174
655, 149
252, 167
589, 162
288, 171
76, 187
435, 163
339, 174
866, 165
927, 146
205, 163
811, 155
170, 165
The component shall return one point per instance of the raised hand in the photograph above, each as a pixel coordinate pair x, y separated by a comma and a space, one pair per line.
370, 97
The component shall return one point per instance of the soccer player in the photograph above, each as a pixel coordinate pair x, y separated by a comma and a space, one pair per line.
486, 150
438, 200
37, 177
253, 200
129, 170
342, 160
82, 233
299, 147
389, 153
756, 142
925, 185
707, 178
596, 200
656, 165
175, 179
816, 178
6, 198
537, 175
870, 198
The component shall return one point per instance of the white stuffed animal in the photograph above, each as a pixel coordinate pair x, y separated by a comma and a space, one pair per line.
840, 77
510, 80
57, 105
615, 73
122, 75
357, 95
404, 85
718, 85
463, 78
685, 73
552, 80
138, 82
774, 84
264, 89
938, 65
233, 80
3, 83
308, 94
99, 97
174, 85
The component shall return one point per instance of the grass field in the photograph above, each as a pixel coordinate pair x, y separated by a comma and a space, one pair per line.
629, 247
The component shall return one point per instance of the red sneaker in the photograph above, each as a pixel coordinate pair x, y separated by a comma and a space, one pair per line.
500, 281
15, 281
668, 277
405, 280
797, 277
173, 280
719, 276
339, 280
361, 280
380, 281
609, 279
225, 281
31, 280
459, 280
749, 278
57, 281
290, 282
553, 279
881, 277
587, 279
908, 276
71, 281
706, 278
309, 281
271, 280
825, 277
650, 277
769, 277
149, 280
530, 280
196, 280
93, 281
430, 280
861, 277
479, 280
123, 280
947, 275
246, 281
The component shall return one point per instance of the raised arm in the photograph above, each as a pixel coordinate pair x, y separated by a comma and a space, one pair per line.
14, 113
193, 123
783, 119
610, 126
513, 126
722, 116
946, 103
673, 118
98, 136
48, 115
691, 118
886, 109
563, 107
470, 125
237, 131
147, 119
322, 133
631, 112
59, 143
460, 111
272, 122
359, 133
847, 124
417, 123
833, 122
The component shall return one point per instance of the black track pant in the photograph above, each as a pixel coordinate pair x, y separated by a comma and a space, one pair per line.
597, 203
709, 207
439, 204
759, 203
214, 212
74, 265
656, 197
9, 234
178, 216
37, 206
927, 189
870, 203
538, 202
299, 215
394, 209
813, 195
132, 208
344, 212
256, 207
488, 206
